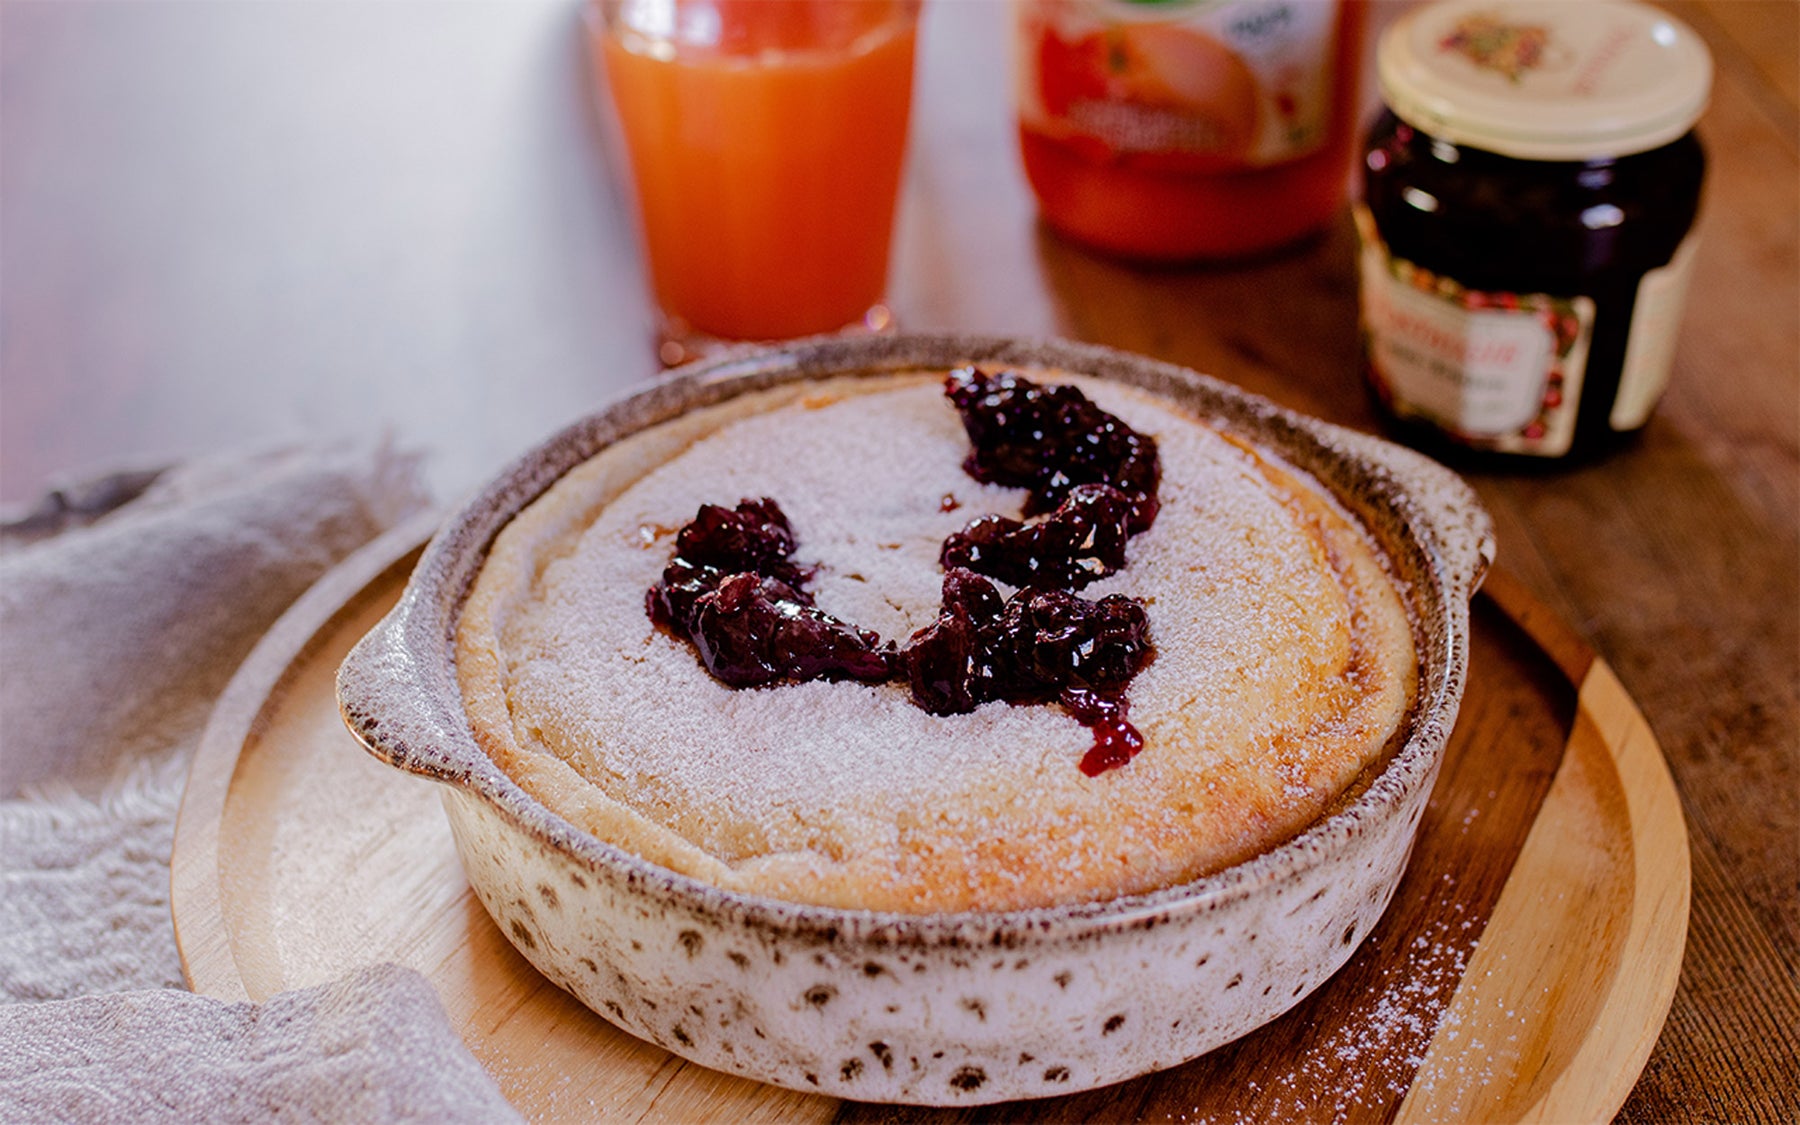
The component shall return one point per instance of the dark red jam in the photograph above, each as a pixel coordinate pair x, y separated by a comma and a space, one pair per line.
1032, 648
1115, 740
1050, 439
734, 591
1082, 540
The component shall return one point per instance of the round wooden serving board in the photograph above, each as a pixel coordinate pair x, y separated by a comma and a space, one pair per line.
1522, 973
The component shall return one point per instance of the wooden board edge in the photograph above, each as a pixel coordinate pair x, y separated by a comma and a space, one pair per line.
1656, 938
196, 903
1552, 635
1600, 1074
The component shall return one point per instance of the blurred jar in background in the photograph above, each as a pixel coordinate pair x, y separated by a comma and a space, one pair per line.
1179, 130
765, 139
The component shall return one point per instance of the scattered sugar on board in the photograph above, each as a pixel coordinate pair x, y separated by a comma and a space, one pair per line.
1241, 608
1372, 1053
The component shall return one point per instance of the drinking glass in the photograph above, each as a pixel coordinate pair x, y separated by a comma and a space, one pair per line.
765, 139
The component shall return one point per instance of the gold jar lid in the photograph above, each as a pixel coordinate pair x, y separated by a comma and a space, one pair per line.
1546, 79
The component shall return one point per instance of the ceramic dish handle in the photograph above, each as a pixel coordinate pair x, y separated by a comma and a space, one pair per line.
1446, 510
393, 702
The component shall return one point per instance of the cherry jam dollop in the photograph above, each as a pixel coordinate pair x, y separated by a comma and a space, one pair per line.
1030, 648
1082, 540
735, 593
1050, 439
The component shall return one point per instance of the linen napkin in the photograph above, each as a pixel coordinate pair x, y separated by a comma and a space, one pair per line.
371, 1047
125, 606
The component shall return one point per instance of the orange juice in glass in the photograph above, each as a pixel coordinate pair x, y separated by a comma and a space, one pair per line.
765, 139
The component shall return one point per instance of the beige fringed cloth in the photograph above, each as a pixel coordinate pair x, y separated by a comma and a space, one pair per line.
125, 606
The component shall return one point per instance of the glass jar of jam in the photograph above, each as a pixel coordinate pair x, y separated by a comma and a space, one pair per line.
1529, 196
1183, 130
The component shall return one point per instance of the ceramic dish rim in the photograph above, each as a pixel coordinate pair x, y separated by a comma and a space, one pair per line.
428, 612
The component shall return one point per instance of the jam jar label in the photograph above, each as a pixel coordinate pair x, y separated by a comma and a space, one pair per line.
1650, 349
1201, 84
1493, 370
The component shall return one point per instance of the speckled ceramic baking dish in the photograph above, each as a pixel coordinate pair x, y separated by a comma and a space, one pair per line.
931, 1009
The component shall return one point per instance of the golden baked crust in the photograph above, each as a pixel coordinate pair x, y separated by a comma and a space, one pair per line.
1284, 666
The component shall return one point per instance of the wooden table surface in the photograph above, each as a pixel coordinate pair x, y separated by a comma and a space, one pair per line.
225, 224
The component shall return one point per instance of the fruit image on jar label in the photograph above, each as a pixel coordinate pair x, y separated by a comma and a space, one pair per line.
1491, 43
1494, 370
1200, 86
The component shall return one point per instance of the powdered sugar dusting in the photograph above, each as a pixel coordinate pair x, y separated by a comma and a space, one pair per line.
1391, 1014
1273, 686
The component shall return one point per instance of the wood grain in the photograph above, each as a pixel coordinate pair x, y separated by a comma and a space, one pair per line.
1759, 39
1618, 893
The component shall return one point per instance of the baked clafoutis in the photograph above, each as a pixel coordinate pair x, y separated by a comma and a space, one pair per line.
938, 641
